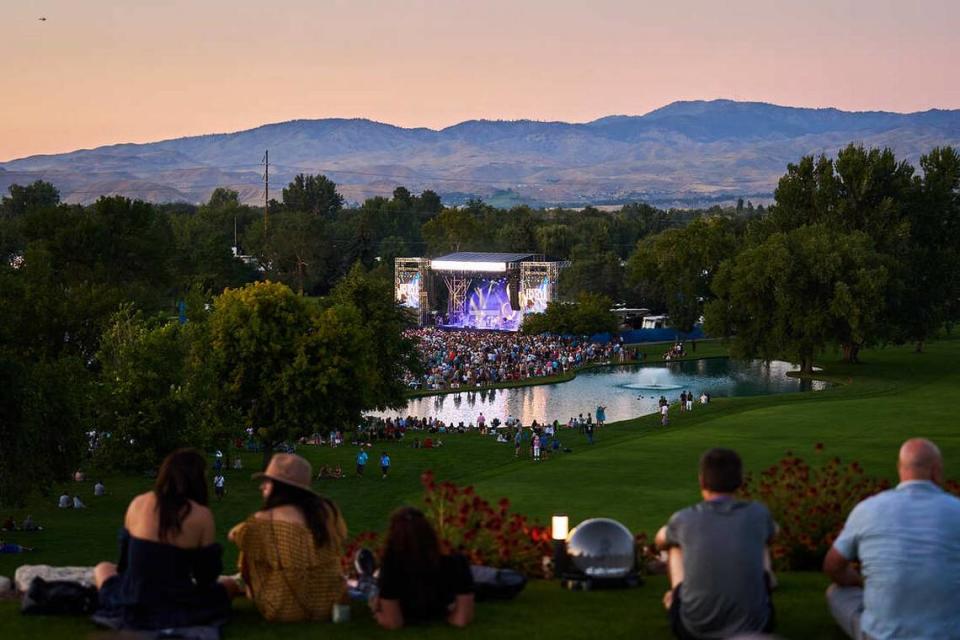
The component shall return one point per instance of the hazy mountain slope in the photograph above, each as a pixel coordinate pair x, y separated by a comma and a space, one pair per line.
685, 154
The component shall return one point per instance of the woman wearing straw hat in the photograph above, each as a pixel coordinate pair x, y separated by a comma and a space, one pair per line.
290, 550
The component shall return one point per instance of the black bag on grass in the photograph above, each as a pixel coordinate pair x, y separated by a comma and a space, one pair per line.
497, 584
58, 597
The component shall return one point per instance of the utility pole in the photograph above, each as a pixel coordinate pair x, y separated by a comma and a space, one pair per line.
266, 190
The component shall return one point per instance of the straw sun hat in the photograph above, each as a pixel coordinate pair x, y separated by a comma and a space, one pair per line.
290, 469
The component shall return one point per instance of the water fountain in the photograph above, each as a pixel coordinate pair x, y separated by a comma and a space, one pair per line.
654, 379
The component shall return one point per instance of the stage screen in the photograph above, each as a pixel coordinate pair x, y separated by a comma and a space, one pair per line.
408, 293
488, 306
535, 299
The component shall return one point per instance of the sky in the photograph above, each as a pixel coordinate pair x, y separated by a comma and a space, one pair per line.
99, 72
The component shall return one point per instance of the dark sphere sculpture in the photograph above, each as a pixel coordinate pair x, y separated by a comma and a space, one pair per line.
601, 548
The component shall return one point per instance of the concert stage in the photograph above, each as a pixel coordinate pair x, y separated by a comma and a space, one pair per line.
484, 290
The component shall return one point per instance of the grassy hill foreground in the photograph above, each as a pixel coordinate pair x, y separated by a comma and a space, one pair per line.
637, 473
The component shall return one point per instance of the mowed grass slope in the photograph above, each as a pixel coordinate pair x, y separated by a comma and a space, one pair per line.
637, 472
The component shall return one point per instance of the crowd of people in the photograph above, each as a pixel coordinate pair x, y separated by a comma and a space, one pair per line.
457, 359
905, 541
894, 567
170, 570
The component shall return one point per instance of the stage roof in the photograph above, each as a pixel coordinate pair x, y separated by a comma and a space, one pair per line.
470, 256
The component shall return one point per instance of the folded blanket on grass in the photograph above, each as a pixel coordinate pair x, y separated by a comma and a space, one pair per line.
205, 632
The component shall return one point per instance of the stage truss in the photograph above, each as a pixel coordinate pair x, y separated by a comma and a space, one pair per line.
406, 269
458, 285
532, 282
532, 274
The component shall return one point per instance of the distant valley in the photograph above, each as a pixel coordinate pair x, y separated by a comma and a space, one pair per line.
683, 155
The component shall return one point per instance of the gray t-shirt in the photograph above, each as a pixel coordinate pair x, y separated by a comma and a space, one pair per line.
724, 591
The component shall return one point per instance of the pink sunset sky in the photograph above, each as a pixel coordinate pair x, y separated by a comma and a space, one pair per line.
105, 71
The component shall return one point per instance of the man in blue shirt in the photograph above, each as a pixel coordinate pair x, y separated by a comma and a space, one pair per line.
361, 462
384, 464
907, 541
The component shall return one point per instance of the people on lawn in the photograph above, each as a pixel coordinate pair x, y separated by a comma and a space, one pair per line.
417, 582
290, 549
169, 566
907, 543
99, 490
717, 557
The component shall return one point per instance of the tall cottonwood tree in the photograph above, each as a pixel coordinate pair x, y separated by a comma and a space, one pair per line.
797, 293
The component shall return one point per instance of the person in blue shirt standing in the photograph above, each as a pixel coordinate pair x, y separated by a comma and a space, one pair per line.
601, 415
384, 464
907, 541
361, 462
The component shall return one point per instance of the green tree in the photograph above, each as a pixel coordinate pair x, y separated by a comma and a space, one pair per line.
44, 392
592, 272
931, 288
287, 368
142, 412
589, 315
22, 200
797, 293
452, 230
313, 194
675, 267
393, 354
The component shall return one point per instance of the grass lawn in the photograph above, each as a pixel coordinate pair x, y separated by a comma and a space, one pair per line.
636, 472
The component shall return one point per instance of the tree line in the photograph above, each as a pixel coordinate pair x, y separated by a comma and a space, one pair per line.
858, 250
855, 251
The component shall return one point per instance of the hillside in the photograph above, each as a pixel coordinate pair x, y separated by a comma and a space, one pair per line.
684, 154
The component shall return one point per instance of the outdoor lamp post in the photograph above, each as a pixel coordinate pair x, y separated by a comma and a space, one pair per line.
559, 528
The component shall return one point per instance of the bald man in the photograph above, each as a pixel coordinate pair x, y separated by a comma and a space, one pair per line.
907, 541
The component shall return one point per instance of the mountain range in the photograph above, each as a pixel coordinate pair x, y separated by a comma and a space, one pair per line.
685, 154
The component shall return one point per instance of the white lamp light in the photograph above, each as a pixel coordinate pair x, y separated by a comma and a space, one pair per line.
560, 526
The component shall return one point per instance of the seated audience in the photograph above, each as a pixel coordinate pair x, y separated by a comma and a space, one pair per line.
717, 554
290, 550
417, 582
30, 525
78, 503
99, 490
65, 501
9, 524
907, 541
169, 562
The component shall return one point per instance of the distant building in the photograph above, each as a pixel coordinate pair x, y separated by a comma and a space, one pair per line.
656, 322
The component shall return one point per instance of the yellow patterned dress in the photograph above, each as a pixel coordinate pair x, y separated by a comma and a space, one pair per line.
290, 579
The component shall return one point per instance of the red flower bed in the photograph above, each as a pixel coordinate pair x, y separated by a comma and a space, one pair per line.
486, 533
810, 503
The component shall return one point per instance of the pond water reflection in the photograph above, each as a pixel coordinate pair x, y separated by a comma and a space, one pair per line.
626, 391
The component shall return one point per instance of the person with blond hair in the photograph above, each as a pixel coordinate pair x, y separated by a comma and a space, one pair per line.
907, 541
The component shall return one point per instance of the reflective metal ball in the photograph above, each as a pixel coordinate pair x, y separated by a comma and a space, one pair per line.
601, 548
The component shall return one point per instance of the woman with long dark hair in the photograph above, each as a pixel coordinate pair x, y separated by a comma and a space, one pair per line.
290, 550
169, 563
417, 582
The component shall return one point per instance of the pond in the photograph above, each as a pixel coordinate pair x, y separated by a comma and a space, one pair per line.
626, 391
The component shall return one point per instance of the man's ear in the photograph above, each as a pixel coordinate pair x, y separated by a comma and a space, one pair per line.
936, 473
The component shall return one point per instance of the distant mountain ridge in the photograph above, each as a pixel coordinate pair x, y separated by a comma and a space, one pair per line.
688, 153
